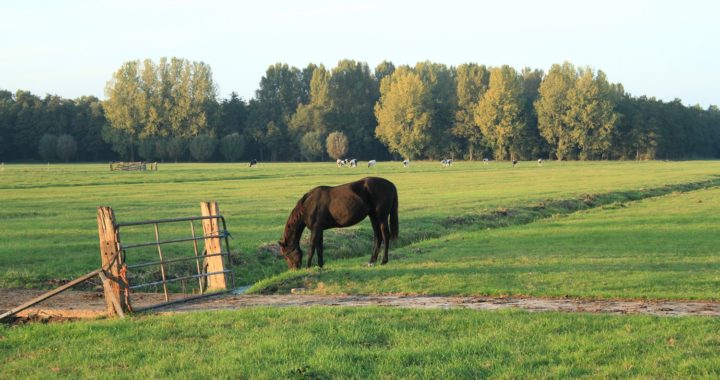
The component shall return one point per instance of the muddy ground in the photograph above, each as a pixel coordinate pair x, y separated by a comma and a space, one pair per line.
80, 304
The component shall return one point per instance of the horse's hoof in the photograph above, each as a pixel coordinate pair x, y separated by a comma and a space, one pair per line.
371, 264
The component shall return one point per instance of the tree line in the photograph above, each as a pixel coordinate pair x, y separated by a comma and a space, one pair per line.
169, 110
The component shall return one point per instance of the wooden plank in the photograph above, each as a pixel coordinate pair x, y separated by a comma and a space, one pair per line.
49, 294
213, 246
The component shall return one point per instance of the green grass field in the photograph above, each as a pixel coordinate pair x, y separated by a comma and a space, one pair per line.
363, 343
49, 216
581, 229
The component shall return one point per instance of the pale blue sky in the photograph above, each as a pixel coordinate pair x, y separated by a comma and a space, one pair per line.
665, 49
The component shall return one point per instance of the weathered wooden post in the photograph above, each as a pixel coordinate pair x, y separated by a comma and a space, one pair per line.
211, 227
113, 282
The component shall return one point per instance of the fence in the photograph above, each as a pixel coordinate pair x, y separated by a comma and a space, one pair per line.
128, 166
212, 266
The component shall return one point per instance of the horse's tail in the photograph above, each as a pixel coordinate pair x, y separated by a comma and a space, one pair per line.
394, 223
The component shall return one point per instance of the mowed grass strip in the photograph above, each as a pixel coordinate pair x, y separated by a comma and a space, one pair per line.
660, 248
328, 343
48, 214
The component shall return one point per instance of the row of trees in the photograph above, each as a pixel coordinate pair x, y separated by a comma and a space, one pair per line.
170, 111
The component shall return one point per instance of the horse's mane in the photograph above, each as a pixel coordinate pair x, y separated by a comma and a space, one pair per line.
295, 215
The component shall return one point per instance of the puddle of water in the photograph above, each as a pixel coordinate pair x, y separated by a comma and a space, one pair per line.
241, 289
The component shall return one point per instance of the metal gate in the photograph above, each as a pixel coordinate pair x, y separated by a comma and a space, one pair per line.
179, 265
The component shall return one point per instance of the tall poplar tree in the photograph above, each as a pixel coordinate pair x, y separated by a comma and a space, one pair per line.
552, 107
498, 114
472, 82
440, 82
148, 100
590, 115
404, 113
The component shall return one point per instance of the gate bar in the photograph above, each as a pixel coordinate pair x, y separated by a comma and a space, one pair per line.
179, 279
223, 234
168, 261
187, 218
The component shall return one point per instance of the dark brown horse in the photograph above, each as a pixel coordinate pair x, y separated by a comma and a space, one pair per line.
341, 206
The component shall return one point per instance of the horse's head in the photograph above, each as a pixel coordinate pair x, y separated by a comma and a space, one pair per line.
293, 255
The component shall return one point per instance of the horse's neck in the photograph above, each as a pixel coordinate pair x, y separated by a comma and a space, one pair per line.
294, 229
295, 232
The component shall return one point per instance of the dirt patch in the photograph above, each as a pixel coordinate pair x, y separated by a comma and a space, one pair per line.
76, 305
659, 308
69, 305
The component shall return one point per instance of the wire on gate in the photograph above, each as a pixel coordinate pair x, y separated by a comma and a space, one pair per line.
123, 277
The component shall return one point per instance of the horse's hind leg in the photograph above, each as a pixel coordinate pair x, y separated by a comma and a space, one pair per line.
377, 235
385, 228
319, 248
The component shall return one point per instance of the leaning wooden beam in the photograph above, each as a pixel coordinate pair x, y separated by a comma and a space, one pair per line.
49, 294
107, 287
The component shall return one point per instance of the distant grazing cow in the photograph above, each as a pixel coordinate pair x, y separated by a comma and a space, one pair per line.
353, 163
341, 162
253, 163
406, 163
372, 163
486, 161
514, 162
447, 162
540, 161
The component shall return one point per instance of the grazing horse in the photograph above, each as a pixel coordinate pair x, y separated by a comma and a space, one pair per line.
406, 163
353, 163
253, 163
446, 162
345, 205
514, 162
486, 161
341, 162
540, 161
372, 163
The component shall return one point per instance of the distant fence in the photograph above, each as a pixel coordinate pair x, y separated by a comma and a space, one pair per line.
128, 166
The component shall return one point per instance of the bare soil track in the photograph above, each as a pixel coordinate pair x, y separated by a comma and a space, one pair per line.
76, 304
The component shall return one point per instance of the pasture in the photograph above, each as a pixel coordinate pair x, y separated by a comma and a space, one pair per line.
579, 229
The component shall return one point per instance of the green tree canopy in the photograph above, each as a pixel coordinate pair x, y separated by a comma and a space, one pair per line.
47, 147
472, 82
167, 99
337, 145
202, 147
404, 113
498, 114
552, 107
591, 116
66, 147
232, 147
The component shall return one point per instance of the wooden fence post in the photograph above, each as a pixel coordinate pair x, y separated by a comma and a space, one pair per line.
212, 246
113, 284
